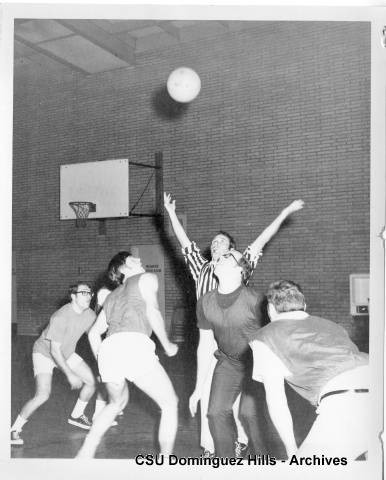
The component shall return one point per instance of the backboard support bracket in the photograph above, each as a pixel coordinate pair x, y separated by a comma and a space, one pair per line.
158, 169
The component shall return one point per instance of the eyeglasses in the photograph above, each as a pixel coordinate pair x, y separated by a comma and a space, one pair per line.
85, 293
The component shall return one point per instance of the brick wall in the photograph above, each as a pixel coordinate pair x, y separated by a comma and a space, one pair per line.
284, 113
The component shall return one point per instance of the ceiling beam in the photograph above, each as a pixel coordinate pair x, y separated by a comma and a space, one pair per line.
168, 27
48, 54
101, 38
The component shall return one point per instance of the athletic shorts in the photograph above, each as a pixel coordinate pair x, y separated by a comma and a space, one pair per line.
126, 355
43, 364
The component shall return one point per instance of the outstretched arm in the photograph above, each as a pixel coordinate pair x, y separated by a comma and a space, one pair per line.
272, 229
279, 412
170, 207
269, 369
148, 286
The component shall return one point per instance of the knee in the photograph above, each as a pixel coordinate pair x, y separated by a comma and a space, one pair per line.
247, 415
169, 403
219, 411
42, 396
90, 382
116, 405
247, 412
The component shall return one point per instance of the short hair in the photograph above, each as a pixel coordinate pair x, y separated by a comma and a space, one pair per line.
246, 269
116, 262
286, 296
73, 289
232, 243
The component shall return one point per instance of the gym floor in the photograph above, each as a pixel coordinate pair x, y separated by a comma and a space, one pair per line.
48, 435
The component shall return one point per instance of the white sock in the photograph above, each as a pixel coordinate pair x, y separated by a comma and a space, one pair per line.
99, 405
79, 408
18, 424
243, 440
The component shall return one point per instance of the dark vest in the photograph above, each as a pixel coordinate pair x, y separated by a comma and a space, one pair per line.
125, 309
314, 350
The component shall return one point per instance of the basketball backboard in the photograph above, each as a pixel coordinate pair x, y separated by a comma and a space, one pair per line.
104, 183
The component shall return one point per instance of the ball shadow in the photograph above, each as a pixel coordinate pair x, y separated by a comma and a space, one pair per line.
165, 106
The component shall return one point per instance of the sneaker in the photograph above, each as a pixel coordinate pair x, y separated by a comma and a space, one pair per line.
16, 438
240, 449
208, 454
81, 422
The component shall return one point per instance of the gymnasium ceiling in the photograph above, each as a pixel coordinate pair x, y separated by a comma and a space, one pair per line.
91, 46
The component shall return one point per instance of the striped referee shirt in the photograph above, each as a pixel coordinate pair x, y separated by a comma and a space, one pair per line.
202, 270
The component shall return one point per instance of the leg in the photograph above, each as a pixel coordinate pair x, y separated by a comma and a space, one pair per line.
206, 439
43, 382
80, 367
250, 409
84, 372
118, 396
43, 367
226, 385
241, 435
101, 400
158, 386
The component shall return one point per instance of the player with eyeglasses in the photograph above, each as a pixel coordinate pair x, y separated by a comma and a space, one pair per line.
55, 348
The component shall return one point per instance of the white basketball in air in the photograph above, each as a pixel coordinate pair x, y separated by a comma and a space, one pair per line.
183, 84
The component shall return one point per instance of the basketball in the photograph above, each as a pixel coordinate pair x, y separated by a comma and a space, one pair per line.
183, 85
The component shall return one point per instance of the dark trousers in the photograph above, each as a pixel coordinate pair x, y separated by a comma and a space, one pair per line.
229, 379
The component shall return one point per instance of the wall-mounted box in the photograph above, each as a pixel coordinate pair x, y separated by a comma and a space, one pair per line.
359, 294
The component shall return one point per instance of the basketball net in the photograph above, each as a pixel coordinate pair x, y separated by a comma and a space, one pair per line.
82, 210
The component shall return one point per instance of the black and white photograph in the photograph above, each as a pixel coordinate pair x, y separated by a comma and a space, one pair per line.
194, 225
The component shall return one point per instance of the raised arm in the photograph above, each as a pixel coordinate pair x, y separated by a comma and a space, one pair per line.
148, 286
269, 369
205, 350
272, 229
96, 331
170, 207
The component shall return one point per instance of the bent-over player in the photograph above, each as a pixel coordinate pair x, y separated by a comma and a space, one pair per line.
319, 361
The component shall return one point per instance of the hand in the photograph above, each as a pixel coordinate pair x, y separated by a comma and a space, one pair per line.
75, 381
295, 206
169, 204
171, 350
193, 401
